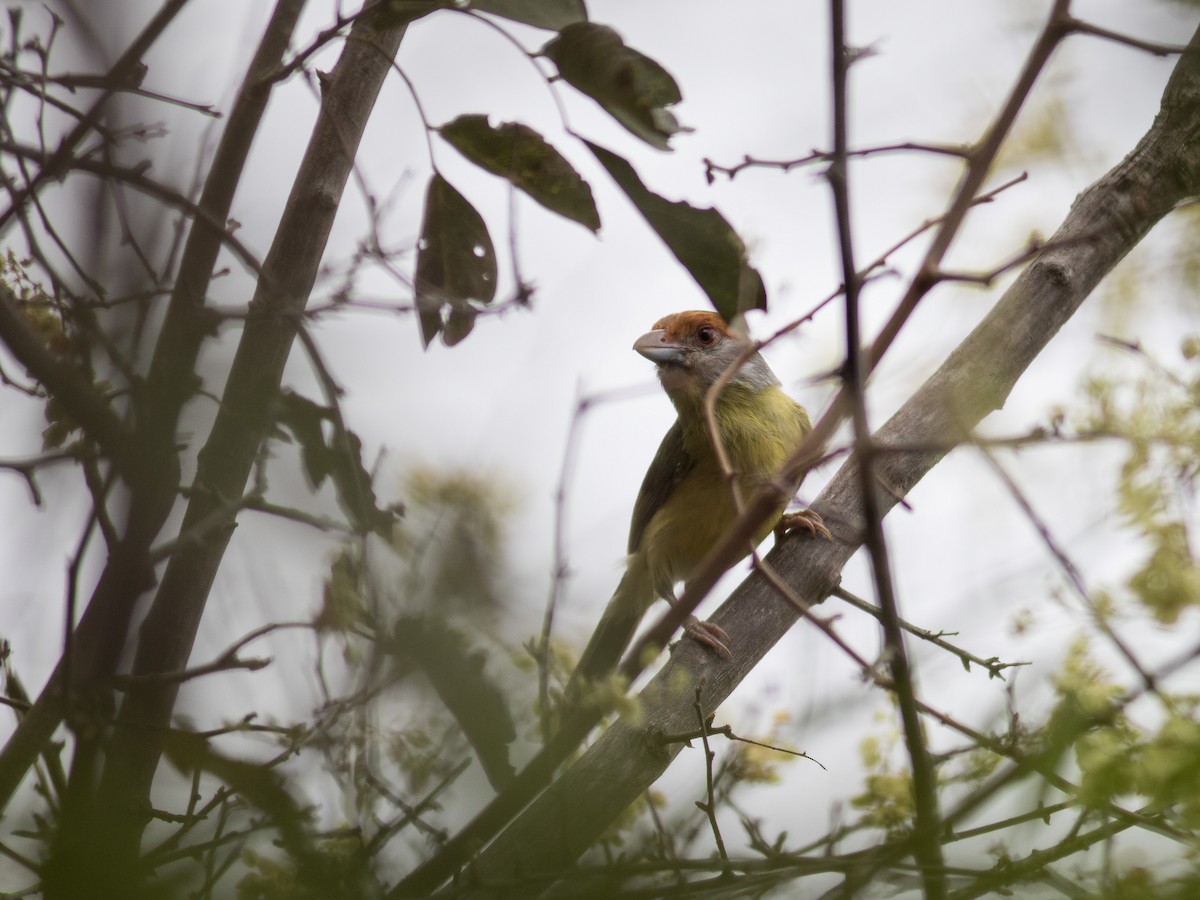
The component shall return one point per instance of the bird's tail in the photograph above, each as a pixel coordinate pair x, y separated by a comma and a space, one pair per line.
614, 631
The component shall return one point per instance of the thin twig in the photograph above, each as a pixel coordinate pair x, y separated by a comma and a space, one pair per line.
927, 847
709, 807
994, 667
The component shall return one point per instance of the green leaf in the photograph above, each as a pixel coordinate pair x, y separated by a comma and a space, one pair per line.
551, 14
456, 262
339, 457
634, 89
457, 673
518, 153
701, 239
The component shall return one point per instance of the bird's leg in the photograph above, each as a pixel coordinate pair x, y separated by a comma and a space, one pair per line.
710, 634
805, 518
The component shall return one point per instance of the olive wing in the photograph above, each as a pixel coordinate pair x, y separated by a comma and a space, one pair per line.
671, 463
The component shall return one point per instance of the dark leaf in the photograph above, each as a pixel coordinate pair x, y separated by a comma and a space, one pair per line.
343, 606
340, 457
394, 13
551, 14
518, 153
354, 490
632, 88
305, 420
456, 672
456, 262
701, 239
458, 325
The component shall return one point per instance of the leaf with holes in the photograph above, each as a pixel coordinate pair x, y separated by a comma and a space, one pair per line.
701, 239
634, 89
518, 153
456, 262
551, 14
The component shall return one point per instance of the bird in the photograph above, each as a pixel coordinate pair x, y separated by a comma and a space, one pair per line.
686, 503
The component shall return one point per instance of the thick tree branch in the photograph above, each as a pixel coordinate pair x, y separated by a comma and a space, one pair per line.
1106, 221
246, 413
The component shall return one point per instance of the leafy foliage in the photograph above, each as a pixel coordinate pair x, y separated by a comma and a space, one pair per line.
701, 239
551, 14
633, 88
1158, 417
518, 153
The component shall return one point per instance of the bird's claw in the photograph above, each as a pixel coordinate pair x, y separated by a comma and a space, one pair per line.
709, 634
806, 519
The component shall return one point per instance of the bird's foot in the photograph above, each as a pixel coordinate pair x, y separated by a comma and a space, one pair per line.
806, 519
709, 634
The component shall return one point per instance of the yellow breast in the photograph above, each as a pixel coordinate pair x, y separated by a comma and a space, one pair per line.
758, 431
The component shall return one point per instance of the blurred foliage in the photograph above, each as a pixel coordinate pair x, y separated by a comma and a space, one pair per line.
453, 540
47, 319
337, 457
344, 868
43, 316
886, 800
1157, 417
1042, 134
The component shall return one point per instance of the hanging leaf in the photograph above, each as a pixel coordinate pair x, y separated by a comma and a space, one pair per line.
459, 324
393, 13
701, 239
306, 420
632, 88
518, 153
456, 262
550, 14
339, 457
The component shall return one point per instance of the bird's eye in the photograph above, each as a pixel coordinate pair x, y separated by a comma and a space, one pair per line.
707, 335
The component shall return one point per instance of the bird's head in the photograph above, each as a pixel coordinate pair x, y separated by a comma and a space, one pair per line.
693, 349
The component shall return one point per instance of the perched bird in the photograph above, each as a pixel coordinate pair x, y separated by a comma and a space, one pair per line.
685, 503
